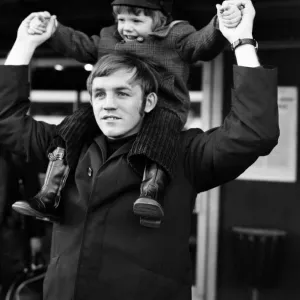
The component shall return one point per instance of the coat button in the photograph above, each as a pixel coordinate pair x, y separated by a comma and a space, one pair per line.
90, 172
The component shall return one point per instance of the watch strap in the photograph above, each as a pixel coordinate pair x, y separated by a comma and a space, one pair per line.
241, 42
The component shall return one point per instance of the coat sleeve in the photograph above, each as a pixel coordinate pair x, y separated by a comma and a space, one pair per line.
204, 44
19, 132
75, 44
250, 130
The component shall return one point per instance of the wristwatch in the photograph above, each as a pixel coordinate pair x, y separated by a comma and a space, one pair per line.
240, 42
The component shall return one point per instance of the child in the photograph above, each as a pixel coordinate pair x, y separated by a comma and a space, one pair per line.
144, 27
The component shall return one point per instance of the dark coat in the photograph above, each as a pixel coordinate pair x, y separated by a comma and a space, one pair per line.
175, 47
100, 250
18, 181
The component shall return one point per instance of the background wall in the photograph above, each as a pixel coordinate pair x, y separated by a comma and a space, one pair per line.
262, 204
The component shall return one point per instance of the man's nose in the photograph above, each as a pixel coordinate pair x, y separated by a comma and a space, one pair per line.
110, 103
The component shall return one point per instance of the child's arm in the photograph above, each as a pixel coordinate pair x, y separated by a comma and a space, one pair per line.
204, 44
75, 44
67, 41
208, 42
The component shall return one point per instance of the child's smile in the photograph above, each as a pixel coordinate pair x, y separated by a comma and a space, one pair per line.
131, 27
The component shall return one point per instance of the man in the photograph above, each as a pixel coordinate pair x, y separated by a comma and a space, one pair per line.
100, 250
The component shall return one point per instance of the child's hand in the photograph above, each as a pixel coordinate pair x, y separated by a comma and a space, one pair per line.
34, 40
244, 28
231, 14
38, 24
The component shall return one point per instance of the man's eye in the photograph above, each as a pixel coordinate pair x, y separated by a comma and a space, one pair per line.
122, 94
99, 95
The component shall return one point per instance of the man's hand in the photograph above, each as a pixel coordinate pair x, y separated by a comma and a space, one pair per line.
25, 37
35, 245
39, 23
245, 27
26, 43
245, 54
231, 15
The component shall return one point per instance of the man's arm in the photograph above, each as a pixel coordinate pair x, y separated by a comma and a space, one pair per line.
19, 132
25, 44
245, 54
250, 129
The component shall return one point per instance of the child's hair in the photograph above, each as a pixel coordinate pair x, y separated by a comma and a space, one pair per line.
145, 70
159, 19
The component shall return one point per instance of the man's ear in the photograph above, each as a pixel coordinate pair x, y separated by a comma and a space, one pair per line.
151, 101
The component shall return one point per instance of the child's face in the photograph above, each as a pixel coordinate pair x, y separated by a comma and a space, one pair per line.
131, 26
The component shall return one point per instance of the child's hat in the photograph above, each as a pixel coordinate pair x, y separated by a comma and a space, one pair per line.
164, 6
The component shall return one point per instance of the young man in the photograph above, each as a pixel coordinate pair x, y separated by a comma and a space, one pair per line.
100, 250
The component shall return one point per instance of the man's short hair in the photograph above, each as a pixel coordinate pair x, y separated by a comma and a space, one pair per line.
146, 71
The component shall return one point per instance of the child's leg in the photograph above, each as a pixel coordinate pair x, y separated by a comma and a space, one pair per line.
46, 204
158, 141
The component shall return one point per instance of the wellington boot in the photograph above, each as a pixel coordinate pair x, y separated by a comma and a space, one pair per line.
45, 205
149, 205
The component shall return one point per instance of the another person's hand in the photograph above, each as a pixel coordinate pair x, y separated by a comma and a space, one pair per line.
35, 245
245, 27
34, 40
231, 14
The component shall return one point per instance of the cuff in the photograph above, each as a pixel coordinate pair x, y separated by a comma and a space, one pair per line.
258, 76
13, 75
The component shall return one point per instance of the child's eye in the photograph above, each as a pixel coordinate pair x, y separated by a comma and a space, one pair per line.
120, 20
137, 21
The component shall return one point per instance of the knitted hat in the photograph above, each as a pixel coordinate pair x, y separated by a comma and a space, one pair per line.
164, 6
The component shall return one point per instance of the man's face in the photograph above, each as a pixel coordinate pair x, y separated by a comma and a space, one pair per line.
131, 27
117, 103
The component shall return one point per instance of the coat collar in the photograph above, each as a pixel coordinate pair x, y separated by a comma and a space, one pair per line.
102, 144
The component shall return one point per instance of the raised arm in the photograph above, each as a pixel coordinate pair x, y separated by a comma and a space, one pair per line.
250, 129
75, 44
19, 132
65, 40
204, 44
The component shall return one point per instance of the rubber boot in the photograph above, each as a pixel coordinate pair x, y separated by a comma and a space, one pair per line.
45, 205
149, 205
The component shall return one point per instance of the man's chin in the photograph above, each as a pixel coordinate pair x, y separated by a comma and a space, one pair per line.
113, 135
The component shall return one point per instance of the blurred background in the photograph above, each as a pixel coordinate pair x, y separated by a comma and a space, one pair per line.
224, 219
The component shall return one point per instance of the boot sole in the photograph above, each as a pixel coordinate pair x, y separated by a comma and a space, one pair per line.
25, 209
145, 207
151, 223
